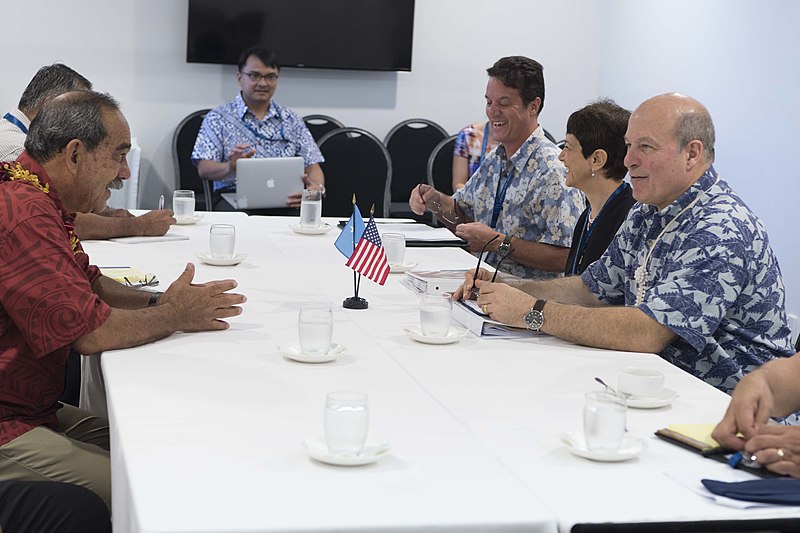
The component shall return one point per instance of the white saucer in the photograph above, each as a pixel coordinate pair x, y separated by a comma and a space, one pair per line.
638, 402
576, 444
293, 352
323, 228
207, 259
373, 450
187, 221
453, 335
399, 269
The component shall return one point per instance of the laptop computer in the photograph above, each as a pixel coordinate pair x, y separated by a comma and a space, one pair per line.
265, 183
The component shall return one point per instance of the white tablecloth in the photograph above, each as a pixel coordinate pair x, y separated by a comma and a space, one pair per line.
207, 428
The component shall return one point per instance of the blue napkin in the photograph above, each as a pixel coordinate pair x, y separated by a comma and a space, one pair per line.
783, 491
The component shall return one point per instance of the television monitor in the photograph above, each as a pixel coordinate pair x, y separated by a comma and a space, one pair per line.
333, 34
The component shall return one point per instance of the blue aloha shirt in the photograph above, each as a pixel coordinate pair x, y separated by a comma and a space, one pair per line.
712, 279
282, 133
538, 206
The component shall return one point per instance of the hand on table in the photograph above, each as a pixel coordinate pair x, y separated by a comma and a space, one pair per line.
201, 307
156, 222
750, 408
504, 303
777, 448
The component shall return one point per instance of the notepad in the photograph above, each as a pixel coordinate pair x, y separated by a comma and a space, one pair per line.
697, 436
130, 276
145, 239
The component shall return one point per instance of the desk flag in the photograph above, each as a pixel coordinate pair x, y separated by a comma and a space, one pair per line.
351, 233
369, 258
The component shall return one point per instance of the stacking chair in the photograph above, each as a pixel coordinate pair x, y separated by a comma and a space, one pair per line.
440, 166
319, 125
186, 173
410, 144
355, 162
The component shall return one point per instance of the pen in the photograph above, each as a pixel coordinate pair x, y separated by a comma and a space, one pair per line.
716, 450
161, 202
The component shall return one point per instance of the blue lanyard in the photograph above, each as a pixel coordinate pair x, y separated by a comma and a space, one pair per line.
484, 142
15, 121
586, 230
500, 197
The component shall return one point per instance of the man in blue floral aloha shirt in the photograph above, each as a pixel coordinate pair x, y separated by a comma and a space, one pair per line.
518, 196
254, 125
690, 275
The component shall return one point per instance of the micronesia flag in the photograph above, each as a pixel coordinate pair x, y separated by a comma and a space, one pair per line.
369, 259
351, 233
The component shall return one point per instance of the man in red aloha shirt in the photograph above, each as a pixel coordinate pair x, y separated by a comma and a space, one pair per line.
52, 299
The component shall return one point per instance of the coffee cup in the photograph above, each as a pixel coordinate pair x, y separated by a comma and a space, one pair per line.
641, 382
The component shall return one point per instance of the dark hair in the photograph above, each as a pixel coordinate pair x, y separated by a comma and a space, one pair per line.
523, 74
75, 115
602, 125
696, 125
268, 57
50, 81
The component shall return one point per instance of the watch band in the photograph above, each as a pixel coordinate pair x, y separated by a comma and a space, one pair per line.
505, 246
154, 299
534, 319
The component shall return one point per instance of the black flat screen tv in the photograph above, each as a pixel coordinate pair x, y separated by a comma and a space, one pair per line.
333, 34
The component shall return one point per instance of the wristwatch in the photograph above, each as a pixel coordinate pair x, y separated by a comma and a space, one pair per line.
505, 246
534, 319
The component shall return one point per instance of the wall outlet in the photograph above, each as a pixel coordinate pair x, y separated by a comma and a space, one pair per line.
794, 324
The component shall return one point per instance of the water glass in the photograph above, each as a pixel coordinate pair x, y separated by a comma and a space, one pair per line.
311, 208
434, 314
346, 422
315, 328
394, 244
604, 421
222, 239
183, 203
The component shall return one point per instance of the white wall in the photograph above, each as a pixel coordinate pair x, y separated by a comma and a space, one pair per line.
736, 56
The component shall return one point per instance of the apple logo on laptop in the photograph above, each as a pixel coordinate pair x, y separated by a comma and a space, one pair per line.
270, 183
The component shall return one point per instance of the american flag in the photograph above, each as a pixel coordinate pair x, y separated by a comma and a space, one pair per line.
369, 258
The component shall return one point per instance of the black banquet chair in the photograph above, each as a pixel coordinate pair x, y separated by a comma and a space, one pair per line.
355, 162
319, 125
410, 144
440, 168
182, 146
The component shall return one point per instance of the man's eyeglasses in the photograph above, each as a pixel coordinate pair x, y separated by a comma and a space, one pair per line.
257, 76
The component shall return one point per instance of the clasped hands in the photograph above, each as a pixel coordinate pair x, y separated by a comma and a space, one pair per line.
500, 301
745, 428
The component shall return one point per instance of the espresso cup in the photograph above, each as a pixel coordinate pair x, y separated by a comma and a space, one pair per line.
641, 382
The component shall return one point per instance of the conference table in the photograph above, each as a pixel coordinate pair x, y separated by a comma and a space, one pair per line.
207, 429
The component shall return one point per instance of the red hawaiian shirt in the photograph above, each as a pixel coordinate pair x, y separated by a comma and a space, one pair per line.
46, 299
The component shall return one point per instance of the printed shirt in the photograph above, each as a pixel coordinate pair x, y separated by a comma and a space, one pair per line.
469, 145
282, 133
538, 206
12, 138
46, 301
712, 279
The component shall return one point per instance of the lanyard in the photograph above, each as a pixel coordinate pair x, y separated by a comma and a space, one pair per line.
15, 121
484, 142
500, 197
586, 231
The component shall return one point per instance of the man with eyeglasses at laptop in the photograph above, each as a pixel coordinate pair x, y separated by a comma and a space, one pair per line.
253, 125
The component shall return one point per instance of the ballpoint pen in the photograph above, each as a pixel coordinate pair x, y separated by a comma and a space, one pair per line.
161, 202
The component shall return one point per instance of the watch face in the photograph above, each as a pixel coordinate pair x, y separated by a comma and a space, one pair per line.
534, 320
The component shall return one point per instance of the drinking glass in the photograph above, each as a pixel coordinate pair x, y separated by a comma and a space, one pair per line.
311, 208
315, 328
346, 422
434, 314
222, 240
394, 244
604, 421
183, 203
